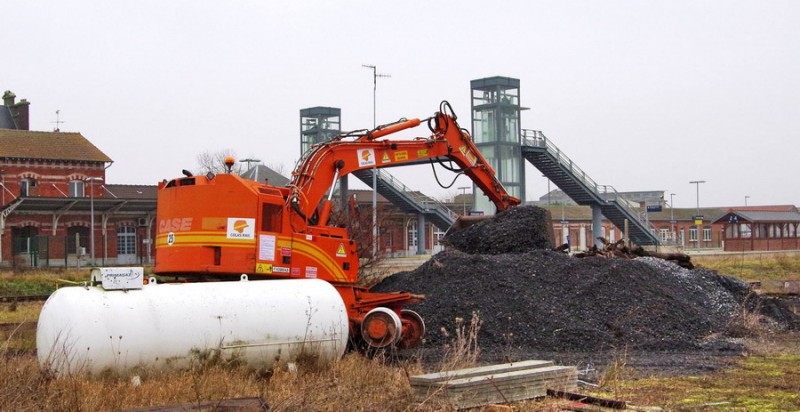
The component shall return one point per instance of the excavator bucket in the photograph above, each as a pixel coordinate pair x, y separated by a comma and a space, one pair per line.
464, 222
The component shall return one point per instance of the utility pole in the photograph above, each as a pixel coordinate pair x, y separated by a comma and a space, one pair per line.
697, 213
697, 183
375, 76
91, 180
671, 217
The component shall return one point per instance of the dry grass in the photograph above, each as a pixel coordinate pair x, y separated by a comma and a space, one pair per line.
752, 268
767, 379
38, 282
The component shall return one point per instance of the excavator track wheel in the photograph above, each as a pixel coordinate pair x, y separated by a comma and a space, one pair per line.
413, 329
381, 328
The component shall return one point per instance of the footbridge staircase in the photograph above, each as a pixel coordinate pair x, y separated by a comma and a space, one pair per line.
407, 200
561, 170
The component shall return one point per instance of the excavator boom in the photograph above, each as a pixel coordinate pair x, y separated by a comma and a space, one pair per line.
318, 171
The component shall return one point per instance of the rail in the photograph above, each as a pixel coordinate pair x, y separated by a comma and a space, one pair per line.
27, 298
535, 138
427, 204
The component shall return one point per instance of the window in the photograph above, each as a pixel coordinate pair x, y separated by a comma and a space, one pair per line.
271, 217
22, 238
510, 165
438, 235
412, 236
707, 234
25, 186
693, 234
76, 188
484, 127
664, 234
79, 234
126, 240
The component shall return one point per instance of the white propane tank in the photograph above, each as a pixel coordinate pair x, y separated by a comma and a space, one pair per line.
258, 322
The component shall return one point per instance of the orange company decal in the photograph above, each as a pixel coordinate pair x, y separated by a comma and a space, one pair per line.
366, 157
241, 228
178, 224
401, 155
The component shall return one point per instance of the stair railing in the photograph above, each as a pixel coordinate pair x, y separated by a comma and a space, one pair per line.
428, 204
535, 138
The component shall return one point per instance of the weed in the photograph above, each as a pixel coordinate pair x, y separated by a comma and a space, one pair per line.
464, 350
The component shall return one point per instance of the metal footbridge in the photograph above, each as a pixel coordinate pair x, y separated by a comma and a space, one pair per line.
408, 200
554, 165
561, 170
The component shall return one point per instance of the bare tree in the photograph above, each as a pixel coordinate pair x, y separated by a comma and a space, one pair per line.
215, 162
280, 168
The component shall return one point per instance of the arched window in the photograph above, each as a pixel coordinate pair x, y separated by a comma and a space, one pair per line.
22, 237
76, 188
77, 237
25, 186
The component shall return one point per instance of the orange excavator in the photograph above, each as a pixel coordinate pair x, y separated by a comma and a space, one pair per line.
218, 227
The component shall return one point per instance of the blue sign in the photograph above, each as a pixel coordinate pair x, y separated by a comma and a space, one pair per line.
653, 208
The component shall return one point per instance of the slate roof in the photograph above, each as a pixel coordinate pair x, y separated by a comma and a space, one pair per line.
26, 144
132, 191
260, 172
759, 216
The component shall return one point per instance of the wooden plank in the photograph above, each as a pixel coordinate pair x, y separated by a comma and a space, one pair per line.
498, 388
479, 371
549, 372
606, 403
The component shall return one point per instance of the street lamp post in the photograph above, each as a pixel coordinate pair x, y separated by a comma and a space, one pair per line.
375, 76
745, 200
697, 184
91, 213
248, 161
697, 213
463, 190
672, 216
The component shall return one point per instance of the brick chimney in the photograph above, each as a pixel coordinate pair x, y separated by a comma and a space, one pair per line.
19, 111
8, 98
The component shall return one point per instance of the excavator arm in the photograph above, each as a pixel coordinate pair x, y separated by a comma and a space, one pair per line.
318, 172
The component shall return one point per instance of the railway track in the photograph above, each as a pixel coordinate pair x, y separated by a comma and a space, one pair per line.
27, 298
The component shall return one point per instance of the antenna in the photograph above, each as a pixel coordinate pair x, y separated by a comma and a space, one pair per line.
375, 76
58, 121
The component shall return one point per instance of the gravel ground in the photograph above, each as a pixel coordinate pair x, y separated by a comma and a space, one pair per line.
534, 302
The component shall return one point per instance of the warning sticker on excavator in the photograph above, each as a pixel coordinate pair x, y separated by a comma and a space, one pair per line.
401, 155
469, 155
366, 157
422, 153
386, 158
340, 252
263, 267
311, 272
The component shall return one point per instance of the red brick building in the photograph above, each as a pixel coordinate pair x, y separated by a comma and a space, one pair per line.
54, 193
761, 228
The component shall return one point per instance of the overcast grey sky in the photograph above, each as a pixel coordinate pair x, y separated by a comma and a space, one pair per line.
642, 95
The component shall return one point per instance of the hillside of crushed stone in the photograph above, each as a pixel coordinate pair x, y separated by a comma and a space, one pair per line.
541, 300
515, 230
